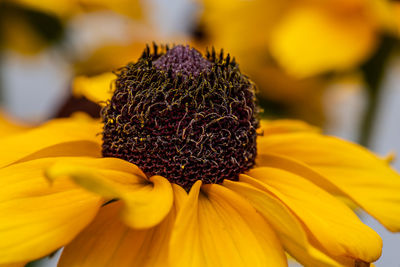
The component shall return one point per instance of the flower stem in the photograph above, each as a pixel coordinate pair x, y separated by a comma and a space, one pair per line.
369, 116
1, 79
374, 70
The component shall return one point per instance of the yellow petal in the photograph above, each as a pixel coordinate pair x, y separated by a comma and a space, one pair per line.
310, 40
20, 146
113, 56
147, 201
390, 157
66, 149
131, 8
268, 127
396, 11
386, 15
247, 33
180, 196
327, 219
297, 167
216, 227
109, 242
37, 218
8, 126
59, 8
13, 265
67, 8
366, 179
286, 225
97, 89
301, 169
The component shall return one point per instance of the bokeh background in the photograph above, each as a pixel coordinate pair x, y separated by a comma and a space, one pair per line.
332, 63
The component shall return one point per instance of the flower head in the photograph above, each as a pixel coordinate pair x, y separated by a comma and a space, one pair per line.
182, 116
121, 201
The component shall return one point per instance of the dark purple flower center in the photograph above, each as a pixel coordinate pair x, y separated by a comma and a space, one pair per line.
183, 116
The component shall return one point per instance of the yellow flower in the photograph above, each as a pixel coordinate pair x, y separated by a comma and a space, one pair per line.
96, 88
29, 26
26, 30
306, 37
67, 8
61, 185
397, 10
110, 57
317, 37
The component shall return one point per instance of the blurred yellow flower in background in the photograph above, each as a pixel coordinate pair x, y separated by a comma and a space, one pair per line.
314, 37
27, 30
109, 57
307, 37
95, 88
68, 8
397, 12
29, 26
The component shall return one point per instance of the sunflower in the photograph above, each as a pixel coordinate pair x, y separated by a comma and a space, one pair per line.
184, 174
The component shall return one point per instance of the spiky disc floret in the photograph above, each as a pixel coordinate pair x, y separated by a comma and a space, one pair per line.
192, 119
